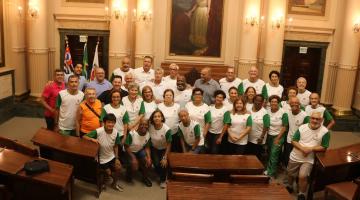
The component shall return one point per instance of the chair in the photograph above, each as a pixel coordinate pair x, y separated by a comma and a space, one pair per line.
179, 176
249, 179
349, 190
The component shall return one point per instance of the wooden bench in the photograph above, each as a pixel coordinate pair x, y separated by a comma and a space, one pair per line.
18, 146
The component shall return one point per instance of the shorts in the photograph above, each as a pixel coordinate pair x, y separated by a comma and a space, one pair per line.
109, 165
301, 169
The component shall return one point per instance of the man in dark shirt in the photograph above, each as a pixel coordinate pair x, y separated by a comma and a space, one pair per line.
105, 97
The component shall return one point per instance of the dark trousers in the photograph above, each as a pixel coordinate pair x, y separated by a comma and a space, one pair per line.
212, 147
255, 149
140, 156
236, 149
156, 156
175, 144
286, 154
50, 123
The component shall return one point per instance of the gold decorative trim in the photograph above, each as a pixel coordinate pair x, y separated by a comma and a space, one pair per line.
339, 113
348, 67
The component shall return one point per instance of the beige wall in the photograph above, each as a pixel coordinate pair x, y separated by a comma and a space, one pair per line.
93, 16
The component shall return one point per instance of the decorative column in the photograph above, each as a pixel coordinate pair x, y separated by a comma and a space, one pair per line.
348, 61
356, 104
249, 41
275, 28
118, 33
37, 46
144, 31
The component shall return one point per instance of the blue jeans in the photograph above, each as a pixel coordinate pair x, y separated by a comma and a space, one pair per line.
156, 156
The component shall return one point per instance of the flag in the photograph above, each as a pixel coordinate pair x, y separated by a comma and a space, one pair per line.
95, 63
68, 66
85, 62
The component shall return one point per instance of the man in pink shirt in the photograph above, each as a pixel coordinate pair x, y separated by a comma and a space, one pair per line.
48, 97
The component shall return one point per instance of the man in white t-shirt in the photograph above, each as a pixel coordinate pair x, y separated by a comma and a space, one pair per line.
307, 140
158, 85
252, 81
171, 78
303, 93
229, 81
67, 103
182, 93
123, 70
145, 73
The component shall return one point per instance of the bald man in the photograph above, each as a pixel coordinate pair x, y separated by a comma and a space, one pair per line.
303, 93
315, 106
123, 70
252, 81
208, 85
100, 83
229, 81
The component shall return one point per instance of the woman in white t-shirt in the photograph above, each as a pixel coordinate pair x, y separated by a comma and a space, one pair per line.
134, 105
217, 122
291, 92
161, 138
250, 94
273, 87
149, 101
238, 124
170, 109
233, 95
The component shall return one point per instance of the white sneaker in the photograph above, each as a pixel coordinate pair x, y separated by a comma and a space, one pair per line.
163, 185
265, 172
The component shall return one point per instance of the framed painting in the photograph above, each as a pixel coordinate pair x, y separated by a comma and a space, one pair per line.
196, 28
2, 50
307, 7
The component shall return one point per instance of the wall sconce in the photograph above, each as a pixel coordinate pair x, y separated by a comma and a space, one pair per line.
276, 22
356, 27
120, 13
145, 16
33, 9
20, 10
251, 20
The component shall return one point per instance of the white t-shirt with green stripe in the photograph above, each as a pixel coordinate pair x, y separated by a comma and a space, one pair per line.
295, 121
122, 116
135, 108
160, 137
107, 143
237, 123
217, 119
258, 85
269, 90
68, 105
171, 116
322, 110
304, 97
260, 120
200, 114
191, 132
278, 119
137, 142
149, 108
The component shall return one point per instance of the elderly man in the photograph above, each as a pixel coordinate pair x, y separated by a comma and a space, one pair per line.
123, 70
229, 81
144, 74
158, 85
100, 83
78, 72
183, 91
67, 103
208, 85
129, 78
303, 93
316, 107
252, 81
105, 97
307, 140
172, 77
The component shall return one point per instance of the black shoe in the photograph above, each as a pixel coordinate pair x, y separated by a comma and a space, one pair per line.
301, 197
289, 189
147, 182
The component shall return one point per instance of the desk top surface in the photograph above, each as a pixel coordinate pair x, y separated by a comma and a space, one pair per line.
340, 156
215, 162
11, 162
177, 190
69, 144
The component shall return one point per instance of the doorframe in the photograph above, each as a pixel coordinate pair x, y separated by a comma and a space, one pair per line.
297, 43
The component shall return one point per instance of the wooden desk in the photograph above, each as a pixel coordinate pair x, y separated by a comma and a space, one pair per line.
215, 164
55, 184
335, 165
80, 153
214, 191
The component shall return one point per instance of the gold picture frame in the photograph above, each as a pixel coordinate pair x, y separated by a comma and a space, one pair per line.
307, 7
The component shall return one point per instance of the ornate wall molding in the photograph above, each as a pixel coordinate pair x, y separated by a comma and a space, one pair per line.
348, 67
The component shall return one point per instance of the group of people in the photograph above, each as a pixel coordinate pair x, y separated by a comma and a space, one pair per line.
140, 116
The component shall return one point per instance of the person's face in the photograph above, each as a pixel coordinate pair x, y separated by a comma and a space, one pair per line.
143, 127
173, 71
109, 125
148, 94
253, 73
100, 75
274, 104
314, 99
158, 75
239, 106
73, 83
291, 93
258, 102
274, 79
78, 70
219, 99
230, 75
180, 83
157, 118
250, 93
59, 77
184, 117
129, 79
147, 64
125, 65
205, 75
233, 94
115, 98
90, 96
315, 121
116, 83
168, 97
301, 83
197, 96
133, 92
295, 105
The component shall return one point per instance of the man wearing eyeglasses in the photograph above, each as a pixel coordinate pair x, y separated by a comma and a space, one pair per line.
308, 139
171, 78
